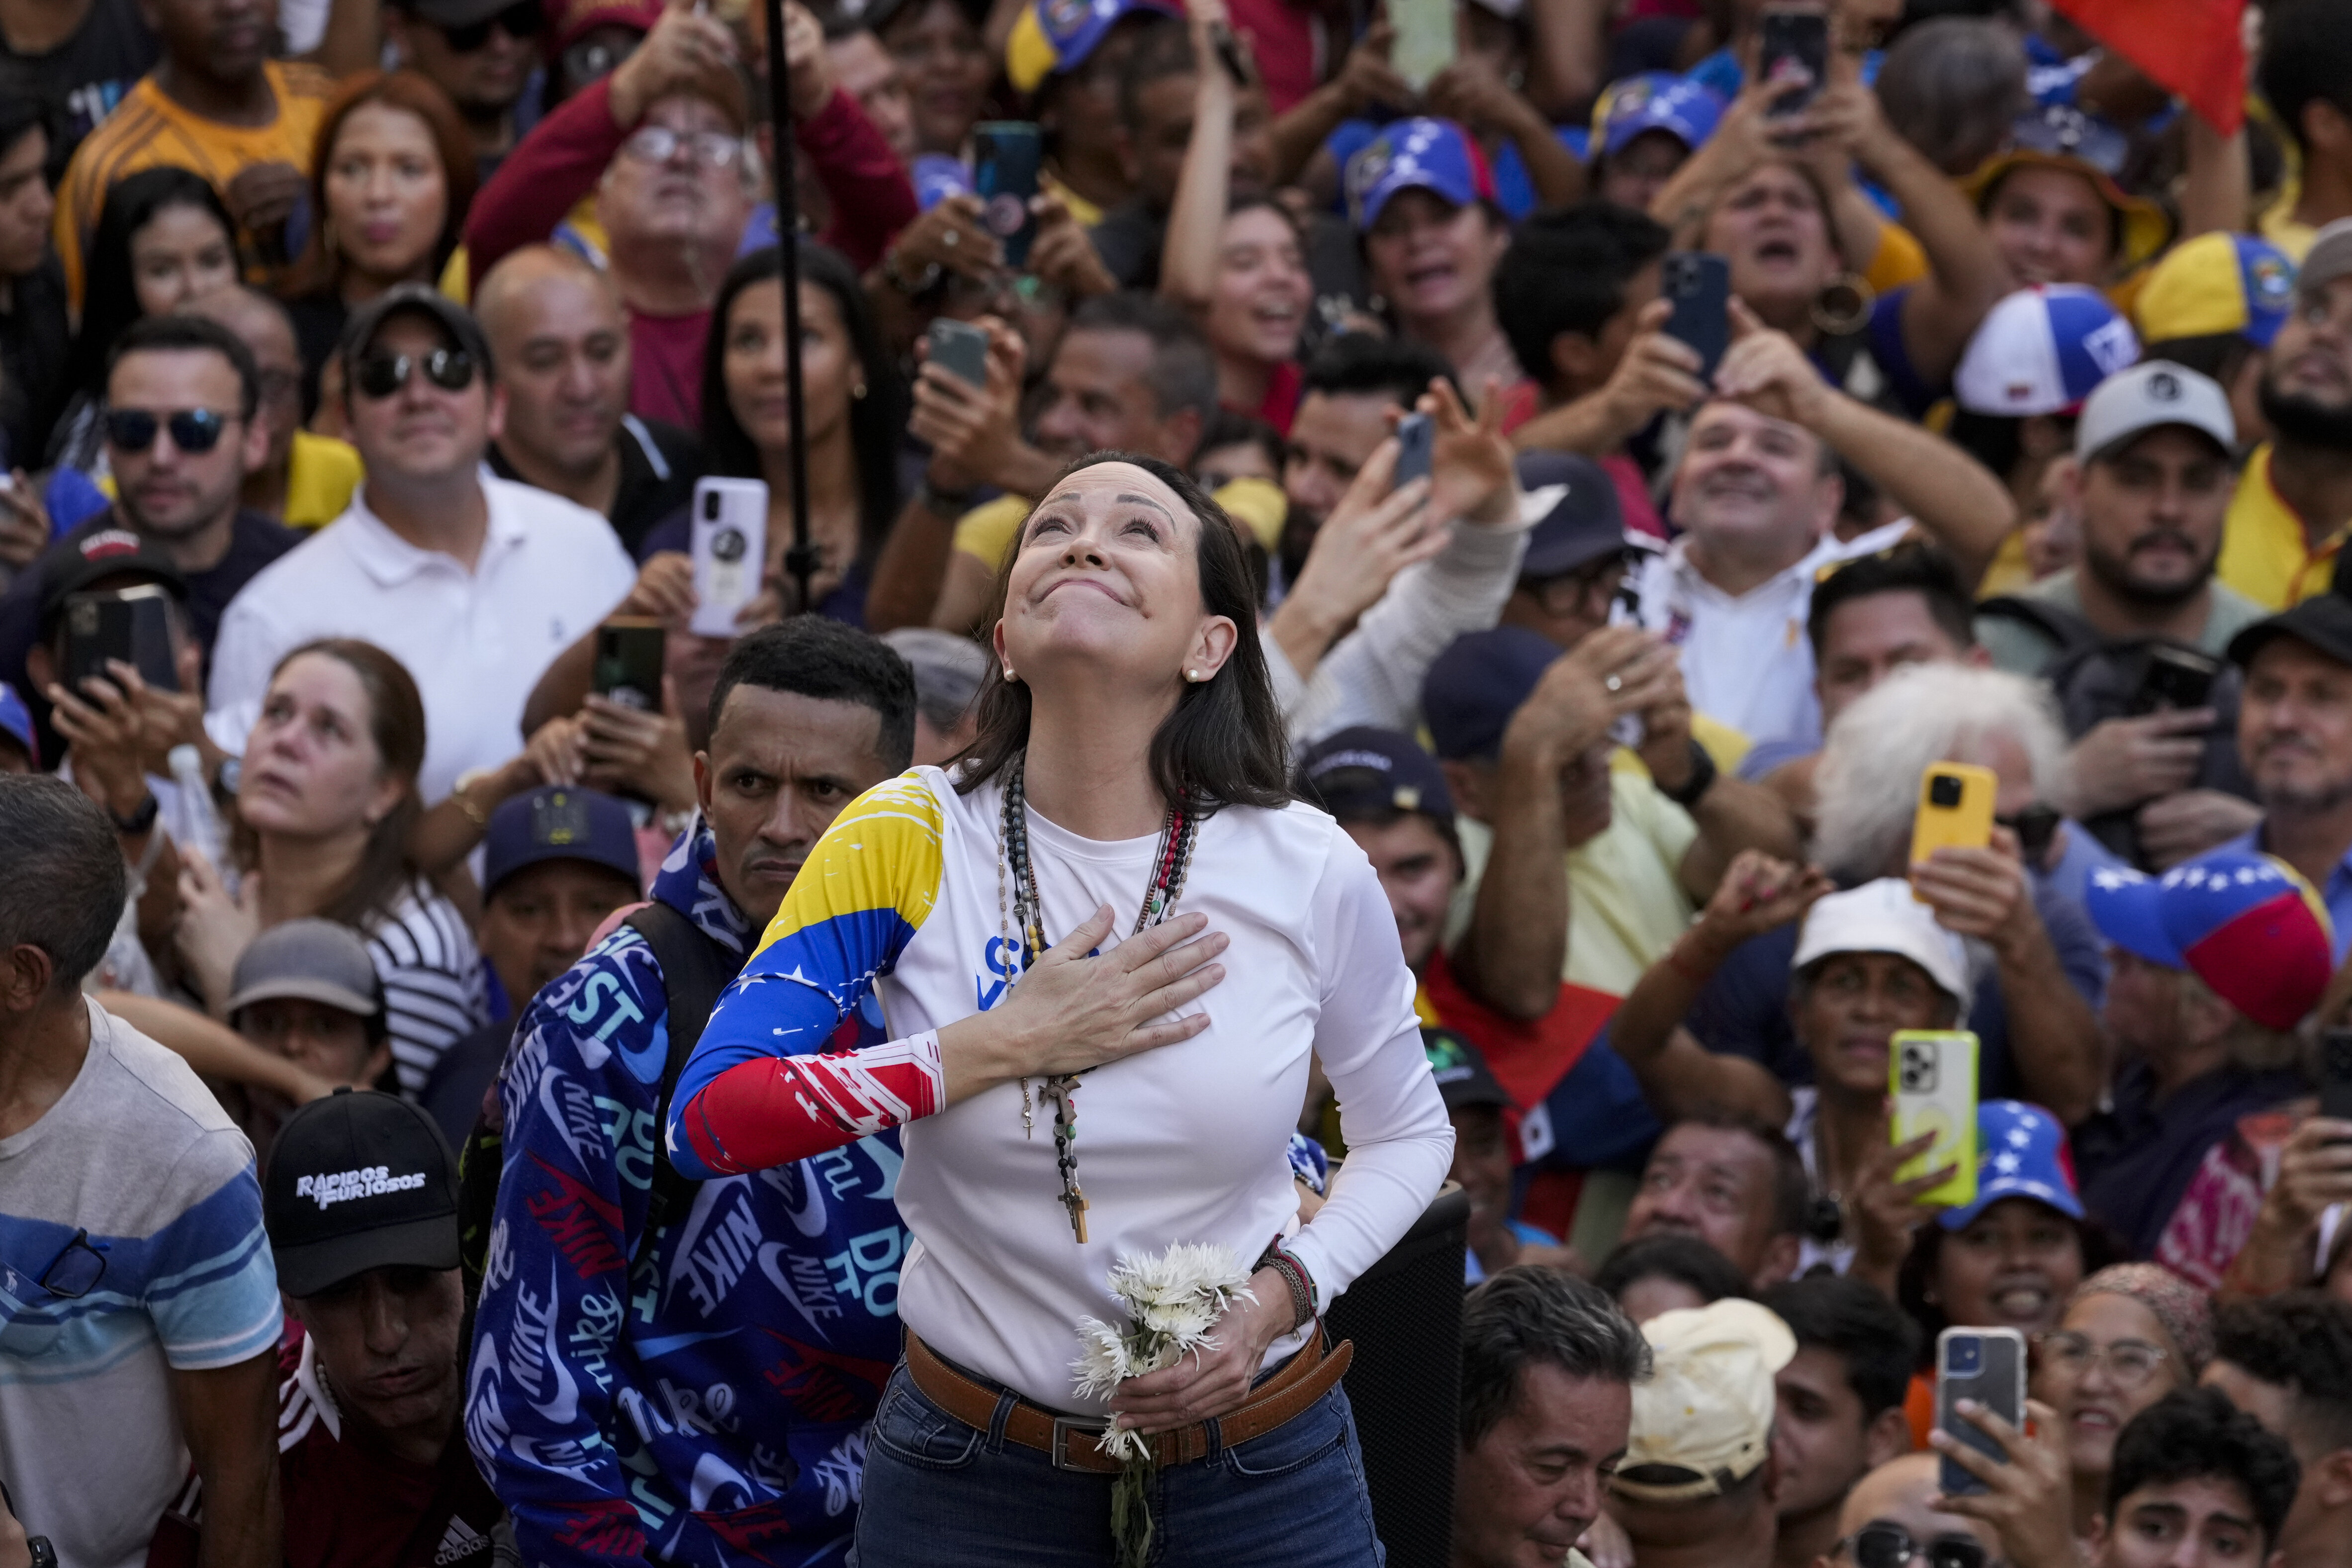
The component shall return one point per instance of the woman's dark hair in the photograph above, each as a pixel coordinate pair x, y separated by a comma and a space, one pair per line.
875, 420
1224, 742
1997, 440
1913, 1286
110, 299
1670, 1254
320, 268
396, 723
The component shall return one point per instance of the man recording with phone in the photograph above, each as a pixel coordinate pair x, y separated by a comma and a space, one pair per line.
2152, 483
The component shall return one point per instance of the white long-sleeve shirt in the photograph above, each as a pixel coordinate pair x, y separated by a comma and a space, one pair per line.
899, 901
1373, 674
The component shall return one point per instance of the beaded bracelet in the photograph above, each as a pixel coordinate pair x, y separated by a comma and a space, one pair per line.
1294, 1276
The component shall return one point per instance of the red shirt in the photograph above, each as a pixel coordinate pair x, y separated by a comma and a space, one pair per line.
665, 367
1288, 44
1282, 387
349, 1502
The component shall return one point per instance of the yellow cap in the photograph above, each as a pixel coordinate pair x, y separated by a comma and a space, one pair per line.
1028, 55
1258, 505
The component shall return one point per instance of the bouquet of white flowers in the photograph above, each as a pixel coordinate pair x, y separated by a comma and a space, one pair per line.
1172, 1301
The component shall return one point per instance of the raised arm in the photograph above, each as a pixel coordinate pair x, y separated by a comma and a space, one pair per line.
229, 1416
1365, 81
1678, 1074
1946, 491
866, 185
1196, 219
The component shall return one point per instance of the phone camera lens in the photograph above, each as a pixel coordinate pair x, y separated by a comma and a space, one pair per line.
1963, 1358
710, 506
1944, 793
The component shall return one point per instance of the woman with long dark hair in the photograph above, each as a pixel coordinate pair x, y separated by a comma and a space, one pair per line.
855, 408
1126, 793
326, 810
163, 238
392, 174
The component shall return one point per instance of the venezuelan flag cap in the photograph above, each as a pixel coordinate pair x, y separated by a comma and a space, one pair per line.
2244, 924
1051, 36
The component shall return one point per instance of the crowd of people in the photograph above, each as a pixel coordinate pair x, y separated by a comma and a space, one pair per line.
1487, 526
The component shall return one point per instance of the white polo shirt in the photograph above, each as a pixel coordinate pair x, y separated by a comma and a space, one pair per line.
476, 642
1745, 659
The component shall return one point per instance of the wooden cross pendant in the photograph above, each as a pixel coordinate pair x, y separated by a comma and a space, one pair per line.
1075, 1201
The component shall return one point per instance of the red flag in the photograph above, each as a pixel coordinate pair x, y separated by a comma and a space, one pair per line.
2192, 48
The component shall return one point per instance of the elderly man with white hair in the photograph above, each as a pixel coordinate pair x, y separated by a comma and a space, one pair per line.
1713, 1020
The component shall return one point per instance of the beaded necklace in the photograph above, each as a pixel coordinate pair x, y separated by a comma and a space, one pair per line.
1170, 863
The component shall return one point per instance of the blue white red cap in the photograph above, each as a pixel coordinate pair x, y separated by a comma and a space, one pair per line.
2020, 1153
938, 177
2042, 350
1433, 155
1655, 100
2244, 924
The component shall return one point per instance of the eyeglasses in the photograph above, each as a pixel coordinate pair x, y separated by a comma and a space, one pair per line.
193, 430
73, 1273
523, 19
2130, 1363
2036, 827
1881, 1545
2061, 131
1572, 592
380, 375
706, 149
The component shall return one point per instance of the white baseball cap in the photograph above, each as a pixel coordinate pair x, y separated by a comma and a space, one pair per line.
1703, 1422
2329, 257
2151, 393
1883, 917
2041, 350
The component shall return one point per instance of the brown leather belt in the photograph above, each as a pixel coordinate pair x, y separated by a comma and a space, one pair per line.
1305, 1379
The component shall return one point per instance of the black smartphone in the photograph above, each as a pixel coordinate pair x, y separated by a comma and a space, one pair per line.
1987, 1365
1006, 157
2335, 1073
134, 625
1700, 284
628, 667
2175, 679
961, 348
1416, 444
1792, 58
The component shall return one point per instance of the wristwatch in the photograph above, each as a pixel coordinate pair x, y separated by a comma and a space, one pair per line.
1701, 780
140, 819
943, 503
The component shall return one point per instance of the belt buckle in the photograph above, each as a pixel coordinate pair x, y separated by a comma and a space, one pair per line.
1063, 1427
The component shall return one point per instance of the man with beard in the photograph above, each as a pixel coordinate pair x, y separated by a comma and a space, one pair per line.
2151, 485
2295, 733
2289, 517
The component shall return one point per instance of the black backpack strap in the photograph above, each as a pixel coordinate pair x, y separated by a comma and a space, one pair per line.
2069, 631
694, 970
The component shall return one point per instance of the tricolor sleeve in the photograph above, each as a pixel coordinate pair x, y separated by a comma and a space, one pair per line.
760, 1088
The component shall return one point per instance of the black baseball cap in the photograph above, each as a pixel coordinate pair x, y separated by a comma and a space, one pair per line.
2324, 620
1464, 1080
558, 822
455, 321
74, 566
1585, 521
357, 1181
1477, 683
1365, 771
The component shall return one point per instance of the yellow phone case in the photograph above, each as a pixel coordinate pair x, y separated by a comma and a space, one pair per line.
1932, 1074
1955, 808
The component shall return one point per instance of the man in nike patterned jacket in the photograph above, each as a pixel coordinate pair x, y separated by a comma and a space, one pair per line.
701, 1399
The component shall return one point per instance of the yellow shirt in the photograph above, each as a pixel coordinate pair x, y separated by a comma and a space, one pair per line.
987, 530
148, 129
1625, 898
320, 475
2265, 549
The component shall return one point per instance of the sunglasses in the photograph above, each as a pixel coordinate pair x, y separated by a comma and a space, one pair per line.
193, 430
380, 375
706, 149
2035, 828
522, 19
74, 1272
1892, 1546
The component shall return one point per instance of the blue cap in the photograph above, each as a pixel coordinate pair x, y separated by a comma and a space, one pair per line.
2020, 1153
1584, 520
1655, 100
1362, 771
1435, 155
2042, 350
1051, 36
2124, 906
2244, 924
558, 822
938, 177
17, 723
1474, 687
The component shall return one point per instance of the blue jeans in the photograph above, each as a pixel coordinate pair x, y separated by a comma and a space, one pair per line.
938, 1491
